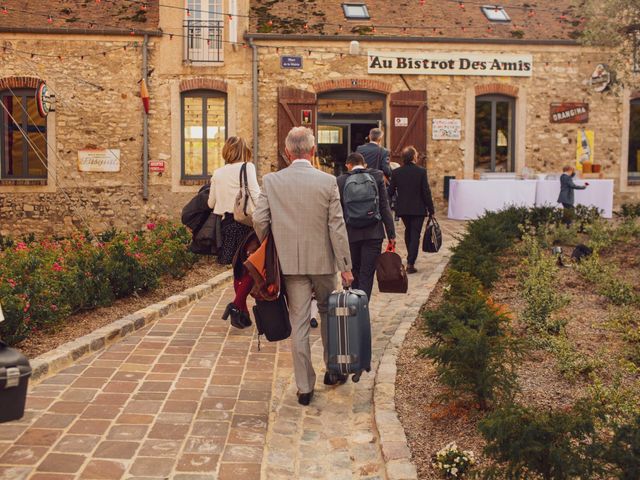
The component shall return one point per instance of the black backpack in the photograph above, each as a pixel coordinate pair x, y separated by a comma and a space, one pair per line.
361, 200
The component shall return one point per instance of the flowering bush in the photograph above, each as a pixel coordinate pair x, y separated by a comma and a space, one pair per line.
452, 462
43, 282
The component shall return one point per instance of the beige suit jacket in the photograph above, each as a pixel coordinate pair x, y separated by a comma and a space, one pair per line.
302, 207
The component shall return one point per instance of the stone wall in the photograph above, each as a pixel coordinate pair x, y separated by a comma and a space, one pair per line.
560, 74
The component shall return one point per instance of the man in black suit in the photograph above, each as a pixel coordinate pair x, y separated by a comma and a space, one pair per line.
413, 203
365, 243
375, 156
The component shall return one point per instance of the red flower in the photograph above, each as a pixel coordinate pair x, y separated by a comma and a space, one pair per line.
11, 282
57, 267
151, 226
21, 246
54, 308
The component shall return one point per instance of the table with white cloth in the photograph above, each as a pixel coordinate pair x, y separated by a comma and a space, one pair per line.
470, 199
598, 194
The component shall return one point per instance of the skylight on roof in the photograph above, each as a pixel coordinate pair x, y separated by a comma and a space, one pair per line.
495, 13
355, 10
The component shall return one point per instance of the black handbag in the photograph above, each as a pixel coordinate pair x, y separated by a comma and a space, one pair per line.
391, 274
272, 318
432, 240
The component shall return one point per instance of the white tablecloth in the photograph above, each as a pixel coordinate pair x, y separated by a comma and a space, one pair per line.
470, 199
599, 194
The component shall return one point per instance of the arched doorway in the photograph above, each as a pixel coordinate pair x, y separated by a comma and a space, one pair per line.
344, 120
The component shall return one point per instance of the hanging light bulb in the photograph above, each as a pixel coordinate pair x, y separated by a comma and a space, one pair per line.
5, 11
49, 19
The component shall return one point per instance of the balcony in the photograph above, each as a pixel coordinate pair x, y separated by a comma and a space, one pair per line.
203, 41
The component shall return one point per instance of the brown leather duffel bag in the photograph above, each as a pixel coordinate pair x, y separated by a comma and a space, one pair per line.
392, 277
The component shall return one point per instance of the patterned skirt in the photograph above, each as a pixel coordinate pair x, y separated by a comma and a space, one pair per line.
232, 235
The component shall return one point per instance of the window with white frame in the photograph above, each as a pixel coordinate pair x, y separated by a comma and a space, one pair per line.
204, 31
495, 13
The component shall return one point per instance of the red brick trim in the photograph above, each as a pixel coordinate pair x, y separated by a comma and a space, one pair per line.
19, 82
635, 95
203, 84
497, 89
353, 84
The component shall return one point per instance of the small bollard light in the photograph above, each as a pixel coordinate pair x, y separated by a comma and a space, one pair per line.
557, 251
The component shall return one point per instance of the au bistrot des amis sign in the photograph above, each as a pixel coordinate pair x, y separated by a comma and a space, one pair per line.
450, 63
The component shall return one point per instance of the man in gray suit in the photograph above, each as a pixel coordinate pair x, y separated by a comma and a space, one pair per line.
301, 206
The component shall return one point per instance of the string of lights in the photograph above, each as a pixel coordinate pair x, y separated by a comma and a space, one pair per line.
276, 49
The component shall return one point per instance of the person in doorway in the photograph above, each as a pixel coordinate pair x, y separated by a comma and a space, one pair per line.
413, 202
567, 197
301, 207
225, 184
375, 156
364, 187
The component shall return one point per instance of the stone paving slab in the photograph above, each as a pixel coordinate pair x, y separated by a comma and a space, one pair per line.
188, 397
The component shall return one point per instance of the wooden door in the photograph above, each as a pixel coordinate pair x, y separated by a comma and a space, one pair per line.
409, 124
295, 108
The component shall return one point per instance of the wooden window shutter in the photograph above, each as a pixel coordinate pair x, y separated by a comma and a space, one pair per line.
409, 124
293, 105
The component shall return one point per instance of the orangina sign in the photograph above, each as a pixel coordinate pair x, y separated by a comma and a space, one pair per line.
454, 63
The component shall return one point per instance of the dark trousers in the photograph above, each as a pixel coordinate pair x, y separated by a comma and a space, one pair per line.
568, 214
412, 231
363, 258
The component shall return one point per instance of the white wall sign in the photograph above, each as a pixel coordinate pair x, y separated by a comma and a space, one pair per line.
450, 63
401, 122
446, 129
103, 160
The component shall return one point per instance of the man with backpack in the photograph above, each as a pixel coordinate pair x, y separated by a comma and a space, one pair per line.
375, 155
367, 215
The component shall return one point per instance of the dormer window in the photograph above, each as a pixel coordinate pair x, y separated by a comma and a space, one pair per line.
355, 11
494, 13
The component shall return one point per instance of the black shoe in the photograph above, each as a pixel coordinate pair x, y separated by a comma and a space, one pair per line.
245, 319
314, 323
331, 378
230, 310
411, 269
305, 398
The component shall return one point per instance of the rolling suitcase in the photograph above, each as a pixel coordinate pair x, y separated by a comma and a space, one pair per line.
349, 333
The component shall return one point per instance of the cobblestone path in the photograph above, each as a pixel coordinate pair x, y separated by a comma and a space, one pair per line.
188, 397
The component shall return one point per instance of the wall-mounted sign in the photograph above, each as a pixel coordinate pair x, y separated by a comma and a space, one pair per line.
569, 113
306, 117
44, 99
601, 78
99, 160
584, 148
446, 128
288, 61
401, 121
450, 63
157, 166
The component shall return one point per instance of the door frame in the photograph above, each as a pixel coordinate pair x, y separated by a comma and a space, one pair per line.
493, 99
343, 122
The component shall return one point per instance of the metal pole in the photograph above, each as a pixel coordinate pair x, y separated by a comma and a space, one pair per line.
145, 125
256, 110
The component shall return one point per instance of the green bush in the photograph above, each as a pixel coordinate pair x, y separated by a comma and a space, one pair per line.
43, 282
472, 349
607, 281
624, 450
571, 363
551, 444
629, 210
539, 287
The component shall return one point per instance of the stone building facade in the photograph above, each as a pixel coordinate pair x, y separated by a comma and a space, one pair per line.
201, 57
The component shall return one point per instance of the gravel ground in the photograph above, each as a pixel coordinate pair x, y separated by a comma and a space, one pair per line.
430, 425
84, 323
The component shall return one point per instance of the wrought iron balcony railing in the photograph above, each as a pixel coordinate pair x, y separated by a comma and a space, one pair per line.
203, 41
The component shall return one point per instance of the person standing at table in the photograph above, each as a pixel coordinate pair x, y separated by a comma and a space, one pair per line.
414, 201
567, 197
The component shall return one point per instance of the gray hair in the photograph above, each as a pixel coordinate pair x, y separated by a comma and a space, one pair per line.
375, 134
300, 141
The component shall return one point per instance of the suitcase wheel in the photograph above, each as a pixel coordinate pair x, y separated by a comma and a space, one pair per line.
368, 370
356, 377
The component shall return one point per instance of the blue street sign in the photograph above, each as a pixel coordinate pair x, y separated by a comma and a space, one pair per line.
287, 61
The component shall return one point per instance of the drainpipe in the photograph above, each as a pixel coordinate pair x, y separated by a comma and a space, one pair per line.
145, 124
256, 110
